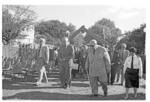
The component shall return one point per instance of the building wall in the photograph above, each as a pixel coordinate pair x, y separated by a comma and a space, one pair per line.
29, 31
10, 51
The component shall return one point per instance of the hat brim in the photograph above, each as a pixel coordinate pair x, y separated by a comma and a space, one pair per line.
90, 44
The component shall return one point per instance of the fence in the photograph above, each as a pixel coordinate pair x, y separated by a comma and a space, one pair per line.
10, 51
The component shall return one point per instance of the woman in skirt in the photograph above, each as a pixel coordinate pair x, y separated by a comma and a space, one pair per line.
133, 70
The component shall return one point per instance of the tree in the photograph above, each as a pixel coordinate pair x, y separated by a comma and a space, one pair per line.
53, 29
14, 19
105, 31
106, 22
135, 38
71, 27
76, 32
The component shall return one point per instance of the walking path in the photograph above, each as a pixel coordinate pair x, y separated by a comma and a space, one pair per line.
79, 90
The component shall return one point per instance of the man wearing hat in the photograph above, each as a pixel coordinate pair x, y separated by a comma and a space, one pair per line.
98, 65
123, 53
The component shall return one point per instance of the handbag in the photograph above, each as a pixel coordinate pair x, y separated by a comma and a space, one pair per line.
73, 65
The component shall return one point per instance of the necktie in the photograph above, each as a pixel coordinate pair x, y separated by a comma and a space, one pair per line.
41, 52
132, 63
122, 56
93, 50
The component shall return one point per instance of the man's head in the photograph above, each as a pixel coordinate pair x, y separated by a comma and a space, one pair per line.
42, 41
65, 41
67, 33
132, 50
93, 43
123, 46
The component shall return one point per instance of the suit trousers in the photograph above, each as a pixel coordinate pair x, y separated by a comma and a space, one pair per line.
94, 84
65, 73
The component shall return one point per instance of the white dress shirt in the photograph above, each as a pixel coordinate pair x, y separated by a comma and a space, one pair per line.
137, 63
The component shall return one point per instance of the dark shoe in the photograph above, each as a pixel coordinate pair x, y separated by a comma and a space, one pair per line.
95, 95
120, 84
105, 94
111, 83
65, 86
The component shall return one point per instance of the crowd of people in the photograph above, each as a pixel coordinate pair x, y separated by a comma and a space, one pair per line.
125, 67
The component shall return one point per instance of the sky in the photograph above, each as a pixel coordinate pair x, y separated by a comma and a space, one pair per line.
124, 18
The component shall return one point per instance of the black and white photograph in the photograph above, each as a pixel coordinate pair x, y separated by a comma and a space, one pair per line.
73, 52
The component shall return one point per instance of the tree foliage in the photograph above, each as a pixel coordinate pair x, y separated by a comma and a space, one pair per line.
53, 29
104, 31
14, 19
135, 38
71, 27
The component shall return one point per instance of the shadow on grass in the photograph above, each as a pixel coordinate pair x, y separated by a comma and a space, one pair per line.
15, 85
75, 85
37, 95
80, 84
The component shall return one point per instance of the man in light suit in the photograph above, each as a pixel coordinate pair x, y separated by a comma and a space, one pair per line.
98, 65
43, 61
123, 53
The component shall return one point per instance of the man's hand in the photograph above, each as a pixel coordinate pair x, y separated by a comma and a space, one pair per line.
112, 63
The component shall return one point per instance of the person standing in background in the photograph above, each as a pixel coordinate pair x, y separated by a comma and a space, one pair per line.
51, 58
55, 56
115, 67
143, 57
123, 53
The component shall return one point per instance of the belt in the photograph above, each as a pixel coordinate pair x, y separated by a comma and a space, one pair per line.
64, 59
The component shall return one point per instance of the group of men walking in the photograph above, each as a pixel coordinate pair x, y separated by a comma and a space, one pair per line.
97, 64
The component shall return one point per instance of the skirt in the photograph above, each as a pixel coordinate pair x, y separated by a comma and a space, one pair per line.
132, 78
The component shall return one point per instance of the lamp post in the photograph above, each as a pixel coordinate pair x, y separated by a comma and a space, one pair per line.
104, 36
